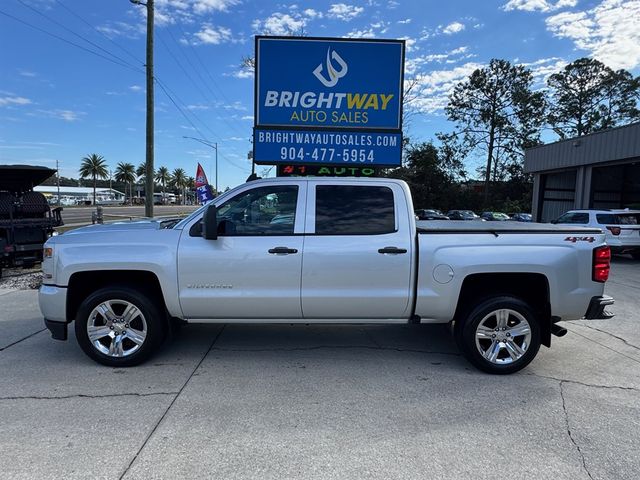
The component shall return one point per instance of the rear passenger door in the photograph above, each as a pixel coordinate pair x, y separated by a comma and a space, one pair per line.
358, 252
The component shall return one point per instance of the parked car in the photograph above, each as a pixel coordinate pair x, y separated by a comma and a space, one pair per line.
505, 287
462, 215
430, 214
26, 219
622, 227
521, 217
495, 216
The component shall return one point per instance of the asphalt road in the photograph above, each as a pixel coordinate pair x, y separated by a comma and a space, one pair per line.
82, 215
316, 402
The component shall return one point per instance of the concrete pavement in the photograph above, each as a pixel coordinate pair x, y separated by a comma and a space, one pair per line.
263, 401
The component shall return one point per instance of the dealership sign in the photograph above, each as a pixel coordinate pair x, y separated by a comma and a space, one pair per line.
328, 101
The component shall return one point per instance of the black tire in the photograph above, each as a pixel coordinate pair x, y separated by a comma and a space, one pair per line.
153, 316
468, 328
635, 254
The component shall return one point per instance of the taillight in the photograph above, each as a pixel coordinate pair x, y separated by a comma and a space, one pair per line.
601, 264
614, 230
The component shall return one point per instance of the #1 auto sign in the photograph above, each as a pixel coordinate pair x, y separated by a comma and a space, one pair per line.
328, 101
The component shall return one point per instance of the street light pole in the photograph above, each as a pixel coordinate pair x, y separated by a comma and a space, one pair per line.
148, 197
212, 145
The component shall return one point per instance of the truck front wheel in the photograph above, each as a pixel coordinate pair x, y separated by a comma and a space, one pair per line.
119, 326
500, 335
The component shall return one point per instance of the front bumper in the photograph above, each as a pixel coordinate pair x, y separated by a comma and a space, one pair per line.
53, 305
596, 310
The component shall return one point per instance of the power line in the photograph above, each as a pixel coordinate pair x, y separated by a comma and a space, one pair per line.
75, 14
76, 34
206, 70
125, 65
204, 95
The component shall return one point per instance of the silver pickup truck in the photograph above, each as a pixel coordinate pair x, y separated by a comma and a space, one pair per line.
323, 251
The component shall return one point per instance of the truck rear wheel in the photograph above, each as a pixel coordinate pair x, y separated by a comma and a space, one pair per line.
119, 326
500, 335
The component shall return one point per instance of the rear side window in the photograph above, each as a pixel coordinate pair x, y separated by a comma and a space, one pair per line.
575, 217
606, 218
354, 210
628, 218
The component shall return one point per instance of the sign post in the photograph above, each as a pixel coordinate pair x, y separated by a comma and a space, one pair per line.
328, 101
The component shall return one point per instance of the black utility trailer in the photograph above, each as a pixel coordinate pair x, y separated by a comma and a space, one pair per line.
26, 219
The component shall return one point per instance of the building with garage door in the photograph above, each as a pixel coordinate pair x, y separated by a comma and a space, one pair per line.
597, 171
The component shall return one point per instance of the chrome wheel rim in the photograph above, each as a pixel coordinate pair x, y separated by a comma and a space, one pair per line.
116, 328
503, 336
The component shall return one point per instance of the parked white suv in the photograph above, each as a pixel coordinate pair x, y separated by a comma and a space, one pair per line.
622, 227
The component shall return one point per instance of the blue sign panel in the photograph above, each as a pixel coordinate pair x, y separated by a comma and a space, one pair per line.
327, 147
329, 83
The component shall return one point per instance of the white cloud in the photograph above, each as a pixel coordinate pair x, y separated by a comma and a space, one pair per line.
247, 117
12, 100
135, 88
374, 30
542, 68
122, 29
345, 12
413, 65
609, 31
207, 6
279, 24
434, 87
452, 28
27, 73
311, 13
404, 22
198, 106
244, 73
66, 115
212, 35
392, 4
538, 5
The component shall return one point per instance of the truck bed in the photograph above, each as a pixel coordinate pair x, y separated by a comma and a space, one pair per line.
459, 226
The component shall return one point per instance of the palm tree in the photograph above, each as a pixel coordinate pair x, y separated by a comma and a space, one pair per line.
94, 166
163, 177
126, 173
141, 173
190, 183
179, 180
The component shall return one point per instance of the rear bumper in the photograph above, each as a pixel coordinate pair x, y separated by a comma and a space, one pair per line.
596, 310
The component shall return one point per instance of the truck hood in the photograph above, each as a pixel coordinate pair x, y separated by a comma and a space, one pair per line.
144, 224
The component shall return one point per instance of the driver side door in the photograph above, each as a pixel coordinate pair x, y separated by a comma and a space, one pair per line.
253, 270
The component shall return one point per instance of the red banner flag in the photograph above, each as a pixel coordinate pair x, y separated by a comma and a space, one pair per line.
201, 177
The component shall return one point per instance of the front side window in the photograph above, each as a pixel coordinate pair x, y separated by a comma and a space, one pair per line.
267, 210
354, 210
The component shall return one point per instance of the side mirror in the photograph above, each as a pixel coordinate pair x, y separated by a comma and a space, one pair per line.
210, 223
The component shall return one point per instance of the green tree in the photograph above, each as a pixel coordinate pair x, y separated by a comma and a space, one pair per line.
496, 115
179, 178
93, 166
190, 183
163, 177
126, 173
587, 96
430, 174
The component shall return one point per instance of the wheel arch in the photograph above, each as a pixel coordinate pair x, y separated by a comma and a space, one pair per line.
532, 288
83, 284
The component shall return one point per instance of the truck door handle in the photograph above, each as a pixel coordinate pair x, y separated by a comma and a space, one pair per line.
392, 250
283, 250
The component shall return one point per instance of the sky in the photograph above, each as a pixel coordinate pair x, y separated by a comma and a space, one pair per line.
72, 79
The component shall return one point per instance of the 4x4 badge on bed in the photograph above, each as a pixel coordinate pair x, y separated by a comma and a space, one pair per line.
580, 239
